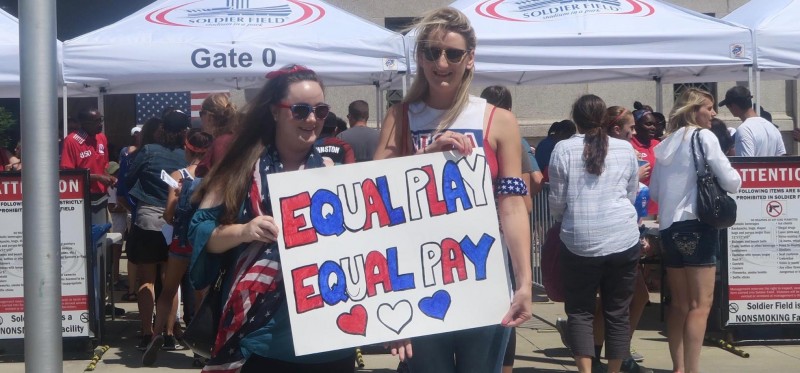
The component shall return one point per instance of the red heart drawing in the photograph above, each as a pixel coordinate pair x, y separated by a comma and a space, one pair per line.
353, 322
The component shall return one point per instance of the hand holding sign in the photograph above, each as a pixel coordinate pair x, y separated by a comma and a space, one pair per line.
450, 140
261, 228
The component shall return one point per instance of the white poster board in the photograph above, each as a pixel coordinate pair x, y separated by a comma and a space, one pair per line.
74, 288
392, 249
764, 244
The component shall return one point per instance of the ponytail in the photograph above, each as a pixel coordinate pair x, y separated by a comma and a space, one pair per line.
589, 113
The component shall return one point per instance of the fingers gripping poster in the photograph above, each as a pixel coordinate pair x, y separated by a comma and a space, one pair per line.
380, 251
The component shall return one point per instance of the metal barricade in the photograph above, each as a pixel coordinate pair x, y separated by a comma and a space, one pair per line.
541, 221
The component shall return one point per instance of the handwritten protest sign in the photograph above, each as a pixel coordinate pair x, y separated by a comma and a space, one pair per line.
380, 251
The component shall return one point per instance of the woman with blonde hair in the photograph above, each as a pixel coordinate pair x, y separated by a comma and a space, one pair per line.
218, 115
690, 247
442, 116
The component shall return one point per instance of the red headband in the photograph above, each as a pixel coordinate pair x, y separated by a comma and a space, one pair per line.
193, 148
294, 69
624, 111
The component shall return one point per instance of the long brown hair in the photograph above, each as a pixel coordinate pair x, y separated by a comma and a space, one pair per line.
232, 176
442, 20
589, 112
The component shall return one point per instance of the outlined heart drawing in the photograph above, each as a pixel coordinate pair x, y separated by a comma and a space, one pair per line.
436, 306
395, 317
353, 322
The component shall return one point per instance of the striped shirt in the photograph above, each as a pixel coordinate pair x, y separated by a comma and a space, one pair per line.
596, 212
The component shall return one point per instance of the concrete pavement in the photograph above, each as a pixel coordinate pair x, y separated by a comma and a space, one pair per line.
539, 349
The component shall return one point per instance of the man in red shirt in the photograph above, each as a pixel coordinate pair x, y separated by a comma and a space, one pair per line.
88, 148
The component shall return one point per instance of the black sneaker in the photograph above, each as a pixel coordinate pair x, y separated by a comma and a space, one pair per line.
630, 366
151, 352
144, 342
171, 344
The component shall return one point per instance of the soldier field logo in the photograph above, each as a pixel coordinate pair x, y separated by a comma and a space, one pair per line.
240, 13
547, 10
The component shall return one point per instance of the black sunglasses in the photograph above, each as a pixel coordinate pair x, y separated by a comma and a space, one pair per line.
453, 55
302, 111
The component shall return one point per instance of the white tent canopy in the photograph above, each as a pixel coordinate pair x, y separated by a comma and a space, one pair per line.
545, 42
9, 55
228, 44
776, 32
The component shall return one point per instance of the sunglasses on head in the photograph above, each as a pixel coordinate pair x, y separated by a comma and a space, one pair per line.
453, 55
302, 111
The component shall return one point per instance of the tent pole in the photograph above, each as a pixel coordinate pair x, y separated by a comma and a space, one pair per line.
758, 92
101, 104
65, 120
750, 82
378, 106
659, 95
405, 84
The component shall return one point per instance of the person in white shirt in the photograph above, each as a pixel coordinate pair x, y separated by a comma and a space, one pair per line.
690, 247
593, 183
756, 136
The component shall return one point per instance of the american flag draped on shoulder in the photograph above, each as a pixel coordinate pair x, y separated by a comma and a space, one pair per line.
256, 291
253, 300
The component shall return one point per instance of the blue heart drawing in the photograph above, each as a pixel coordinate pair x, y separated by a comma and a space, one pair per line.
435, 306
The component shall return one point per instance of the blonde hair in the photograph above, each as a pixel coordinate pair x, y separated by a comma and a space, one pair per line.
442, 20
220, 107
684, 112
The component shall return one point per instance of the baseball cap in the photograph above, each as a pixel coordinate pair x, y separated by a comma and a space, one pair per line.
176, 121
136, 129
735, 94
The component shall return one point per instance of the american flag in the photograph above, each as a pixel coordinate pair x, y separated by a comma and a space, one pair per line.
150, 105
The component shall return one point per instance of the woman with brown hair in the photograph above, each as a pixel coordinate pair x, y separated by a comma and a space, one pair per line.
593, 183
234, 220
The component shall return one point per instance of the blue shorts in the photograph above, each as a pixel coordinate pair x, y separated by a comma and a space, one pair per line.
689, 243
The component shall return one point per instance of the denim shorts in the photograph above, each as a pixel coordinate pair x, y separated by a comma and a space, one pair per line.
689, 243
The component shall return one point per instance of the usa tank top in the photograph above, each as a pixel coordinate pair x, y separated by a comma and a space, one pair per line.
423, 121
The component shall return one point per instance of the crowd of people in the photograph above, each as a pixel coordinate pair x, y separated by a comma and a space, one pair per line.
597, 163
